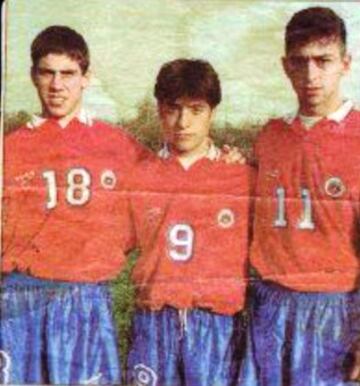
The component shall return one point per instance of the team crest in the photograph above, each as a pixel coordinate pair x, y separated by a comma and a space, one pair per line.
226, 218
334, 187
144, 376
108, 179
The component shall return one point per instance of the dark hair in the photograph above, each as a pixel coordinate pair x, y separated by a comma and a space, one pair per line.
189, 78
60, 40
312, 24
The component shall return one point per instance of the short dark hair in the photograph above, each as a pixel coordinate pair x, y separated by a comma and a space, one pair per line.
312, 24
58, 39
190, 78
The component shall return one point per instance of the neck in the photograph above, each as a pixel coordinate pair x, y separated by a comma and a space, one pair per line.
65, 120
322, 110
189, 158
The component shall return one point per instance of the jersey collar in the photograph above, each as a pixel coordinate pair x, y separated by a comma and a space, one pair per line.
212, 154
84, 117
337, 116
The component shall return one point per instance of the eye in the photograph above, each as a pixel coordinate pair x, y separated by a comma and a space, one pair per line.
324, 60
169, 109
45, 72
297, 62
197, 110
68, 73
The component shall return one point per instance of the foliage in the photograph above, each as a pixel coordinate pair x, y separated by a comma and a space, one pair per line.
14, 120
123, 299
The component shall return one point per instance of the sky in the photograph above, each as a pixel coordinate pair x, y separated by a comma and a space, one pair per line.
130, 39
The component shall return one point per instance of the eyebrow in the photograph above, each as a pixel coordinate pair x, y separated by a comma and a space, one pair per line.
325, 55
52, 71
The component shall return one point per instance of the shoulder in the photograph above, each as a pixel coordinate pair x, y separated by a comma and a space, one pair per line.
18, 140
111, 131
120, 139
273, 131
353, 118
274, 126
226, 178
147, 173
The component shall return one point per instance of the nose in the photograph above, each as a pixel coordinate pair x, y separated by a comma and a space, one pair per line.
312, 71
184, 119
56, 81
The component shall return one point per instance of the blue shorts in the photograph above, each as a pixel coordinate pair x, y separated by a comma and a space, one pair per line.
56, 332
299, 338
183, 347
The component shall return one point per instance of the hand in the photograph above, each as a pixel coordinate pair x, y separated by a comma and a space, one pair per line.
232, 155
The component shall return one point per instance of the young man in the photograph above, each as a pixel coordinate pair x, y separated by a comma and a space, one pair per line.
305, 311
190, 219
61, 238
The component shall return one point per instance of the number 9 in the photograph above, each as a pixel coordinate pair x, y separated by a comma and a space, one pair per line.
181, 241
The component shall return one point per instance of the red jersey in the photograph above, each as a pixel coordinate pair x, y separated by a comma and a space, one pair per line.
192, 228
60, 194
306, 232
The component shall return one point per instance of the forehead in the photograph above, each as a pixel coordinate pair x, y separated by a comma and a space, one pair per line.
318, 47
58, 62
189, 102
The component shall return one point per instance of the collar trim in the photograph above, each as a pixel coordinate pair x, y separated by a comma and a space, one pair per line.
337, 116
84, 117
213, 153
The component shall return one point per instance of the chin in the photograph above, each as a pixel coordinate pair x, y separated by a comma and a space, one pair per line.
57, 113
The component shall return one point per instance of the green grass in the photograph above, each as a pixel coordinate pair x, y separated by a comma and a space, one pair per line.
123, 299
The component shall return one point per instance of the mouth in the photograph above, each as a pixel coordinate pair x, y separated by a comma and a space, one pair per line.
182, 136
310, 91
56, 100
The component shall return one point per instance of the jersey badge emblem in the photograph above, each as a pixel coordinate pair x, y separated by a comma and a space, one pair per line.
225, 218
24, 179
108, 179
334, 187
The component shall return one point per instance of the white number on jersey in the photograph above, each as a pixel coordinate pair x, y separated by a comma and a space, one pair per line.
77, 192
280, 220
305, 222
77, 189
181, 242
50, 178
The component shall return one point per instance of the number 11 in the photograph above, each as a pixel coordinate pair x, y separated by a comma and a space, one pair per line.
305, 222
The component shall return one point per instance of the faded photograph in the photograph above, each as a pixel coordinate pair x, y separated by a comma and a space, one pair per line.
180, 193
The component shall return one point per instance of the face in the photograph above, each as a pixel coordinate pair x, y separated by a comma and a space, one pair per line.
315, 71
186, 124
60, 84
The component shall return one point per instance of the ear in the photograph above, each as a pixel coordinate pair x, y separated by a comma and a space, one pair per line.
159, 109
285, 65
33, 75
86, 79
212, 114
347, 60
